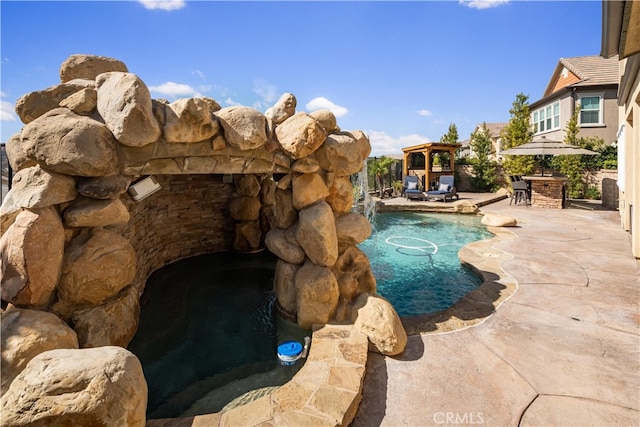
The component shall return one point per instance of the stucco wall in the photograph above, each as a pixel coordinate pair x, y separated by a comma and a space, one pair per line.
568, 101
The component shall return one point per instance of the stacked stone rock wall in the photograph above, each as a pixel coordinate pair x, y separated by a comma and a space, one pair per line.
188, 216
74, 244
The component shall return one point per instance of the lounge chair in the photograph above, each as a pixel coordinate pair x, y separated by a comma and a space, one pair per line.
411, 188
446, 189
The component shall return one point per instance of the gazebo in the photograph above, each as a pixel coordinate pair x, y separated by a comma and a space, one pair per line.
419, 161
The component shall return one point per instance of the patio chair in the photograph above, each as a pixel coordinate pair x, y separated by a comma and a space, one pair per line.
411, 188
520, 193
446, 189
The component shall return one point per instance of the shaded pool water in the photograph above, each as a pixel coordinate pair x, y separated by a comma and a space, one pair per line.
206, 322
414, 257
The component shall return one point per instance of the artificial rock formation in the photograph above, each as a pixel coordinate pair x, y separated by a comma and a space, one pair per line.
101, 386
286, 177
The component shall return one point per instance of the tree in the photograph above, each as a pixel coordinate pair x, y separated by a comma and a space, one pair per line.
572, 166
484, 169
517, 132
379, 168
451, 137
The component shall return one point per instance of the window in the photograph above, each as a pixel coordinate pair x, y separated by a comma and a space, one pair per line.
547, 118
591, 110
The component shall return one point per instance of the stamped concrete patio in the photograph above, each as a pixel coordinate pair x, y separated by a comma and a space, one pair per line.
562, 350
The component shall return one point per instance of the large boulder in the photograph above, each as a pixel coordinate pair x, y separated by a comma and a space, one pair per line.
307, 189
283, 109
112, 323
88, 212
352, 229
124, 102
82, 102
326, 119
64, 142
285, 215
104, 187
498, 220
248, 185
316, 233
97, 264
247, 236
306, 165
300, 135
277, 243
376, 318
33, 105
245, 208
317, 295
340, 195
267, 191
27, 333
31, 253
102, 386
245, 128
16, 154
284, 285
189, 120
344, 153
353, 272
81, 66
35, 188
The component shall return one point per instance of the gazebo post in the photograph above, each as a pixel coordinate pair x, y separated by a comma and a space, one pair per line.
405, 165
452, 160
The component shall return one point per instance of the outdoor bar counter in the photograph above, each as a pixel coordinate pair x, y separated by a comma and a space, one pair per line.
547, 191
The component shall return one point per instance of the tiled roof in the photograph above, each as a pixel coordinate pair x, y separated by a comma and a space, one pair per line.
493, 128
593, 70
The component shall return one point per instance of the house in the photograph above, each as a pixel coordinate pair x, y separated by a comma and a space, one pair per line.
496, 140
590, 82
621, 42
465, 149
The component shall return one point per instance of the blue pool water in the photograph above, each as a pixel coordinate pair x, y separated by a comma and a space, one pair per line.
414, 257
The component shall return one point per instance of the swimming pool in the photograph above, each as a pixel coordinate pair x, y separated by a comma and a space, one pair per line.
208, 333
414, 257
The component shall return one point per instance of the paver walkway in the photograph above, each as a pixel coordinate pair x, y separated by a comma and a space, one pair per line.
564, 350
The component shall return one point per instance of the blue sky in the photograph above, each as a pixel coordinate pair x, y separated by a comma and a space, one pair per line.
400, 71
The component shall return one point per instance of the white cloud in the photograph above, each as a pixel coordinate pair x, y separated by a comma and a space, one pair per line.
384, 144
230, 102
175, 90
322, 103
200, 74
482, 4
7, 113
259, 105
425, 113
265, 90
163, 4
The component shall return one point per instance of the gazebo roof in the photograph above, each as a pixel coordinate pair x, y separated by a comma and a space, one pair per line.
431, 146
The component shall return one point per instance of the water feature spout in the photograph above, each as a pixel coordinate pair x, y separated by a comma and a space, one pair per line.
368, 204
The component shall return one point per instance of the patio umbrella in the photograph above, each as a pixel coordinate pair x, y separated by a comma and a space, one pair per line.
546, 147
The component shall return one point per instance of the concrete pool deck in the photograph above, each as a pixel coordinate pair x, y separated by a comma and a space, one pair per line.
563, 349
